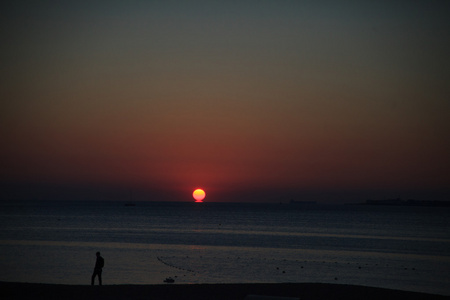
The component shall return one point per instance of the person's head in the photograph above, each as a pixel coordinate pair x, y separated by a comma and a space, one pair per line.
98, 253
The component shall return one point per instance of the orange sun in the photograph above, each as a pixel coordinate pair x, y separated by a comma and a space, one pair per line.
198, 195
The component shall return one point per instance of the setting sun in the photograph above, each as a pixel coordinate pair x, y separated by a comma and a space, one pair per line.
198, 195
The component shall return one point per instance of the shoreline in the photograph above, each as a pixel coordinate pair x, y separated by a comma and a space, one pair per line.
310, 291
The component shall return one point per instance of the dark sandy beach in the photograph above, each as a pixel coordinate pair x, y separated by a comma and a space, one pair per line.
308, 291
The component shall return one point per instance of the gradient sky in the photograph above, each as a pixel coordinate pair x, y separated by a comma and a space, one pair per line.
267, 100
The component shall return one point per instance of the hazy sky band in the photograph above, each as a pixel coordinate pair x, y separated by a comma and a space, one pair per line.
282, 94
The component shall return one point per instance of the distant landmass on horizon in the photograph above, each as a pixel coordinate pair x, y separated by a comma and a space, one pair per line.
409, 202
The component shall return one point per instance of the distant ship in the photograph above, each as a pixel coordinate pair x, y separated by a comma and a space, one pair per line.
303, 204
130, 203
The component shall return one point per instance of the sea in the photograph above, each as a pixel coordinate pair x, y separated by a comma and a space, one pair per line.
396, 247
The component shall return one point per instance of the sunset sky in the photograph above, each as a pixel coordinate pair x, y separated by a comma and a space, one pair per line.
250, 100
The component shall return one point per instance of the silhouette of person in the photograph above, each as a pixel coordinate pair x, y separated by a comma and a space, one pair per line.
99, 263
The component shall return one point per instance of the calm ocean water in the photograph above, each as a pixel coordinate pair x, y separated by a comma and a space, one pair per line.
404, 248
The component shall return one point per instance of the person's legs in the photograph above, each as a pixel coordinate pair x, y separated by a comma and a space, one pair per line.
93, 277
99, 273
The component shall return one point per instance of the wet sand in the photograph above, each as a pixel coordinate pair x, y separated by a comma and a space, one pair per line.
309, 291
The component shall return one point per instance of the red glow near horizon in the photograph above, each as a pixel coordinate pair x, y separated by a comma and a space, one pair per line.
199, 195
